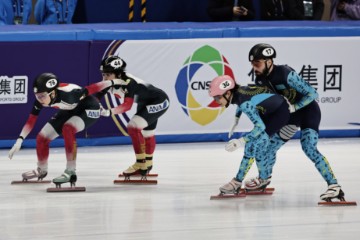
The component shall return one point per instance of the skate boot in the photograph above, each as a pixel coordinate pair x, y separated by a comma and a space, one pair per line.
333, 191
136, 168
233, 187
67, 176
38, 173
257, 184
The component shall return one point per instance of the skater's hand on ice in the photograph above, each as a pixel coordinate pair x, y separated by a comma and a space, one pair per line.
236, 122
16, 147
234, 144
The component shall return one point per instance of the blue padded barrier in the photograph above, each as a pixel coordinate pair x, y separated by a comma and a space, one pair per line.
175, 30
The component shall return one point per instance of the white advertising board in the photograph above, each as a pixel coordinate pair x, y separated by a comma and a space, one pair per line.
184, 68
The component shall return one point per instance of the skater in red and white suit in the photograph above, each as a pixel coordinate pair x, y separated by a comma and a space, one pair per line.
78, 111
152, 104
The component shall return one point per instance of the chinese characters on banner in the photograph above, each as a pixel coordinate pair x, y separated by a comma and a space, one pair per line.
13, 89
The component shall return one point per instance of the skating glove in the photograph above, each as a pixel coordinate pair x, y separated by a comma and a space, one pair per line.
104, 112
16, 147
236, 122
234, 144
291, 106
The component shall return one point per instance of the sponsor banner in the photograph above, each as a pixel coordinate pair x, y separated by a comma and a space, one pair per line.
184, 69
23, 62
13, 89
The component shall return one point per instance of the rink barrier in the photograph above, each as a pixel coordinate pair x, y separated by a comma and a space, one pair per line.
178, 30
171, 138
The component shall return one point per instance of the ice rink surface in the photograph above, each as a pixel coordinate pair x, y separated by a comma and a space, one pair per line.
179, 206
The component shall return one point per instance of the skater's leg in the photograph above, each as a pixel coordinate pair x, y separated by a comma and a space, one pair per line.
150, 144
68, 131
43, 139
135, 127
264, 178
234, 185
276, 142
309, 141
76, 123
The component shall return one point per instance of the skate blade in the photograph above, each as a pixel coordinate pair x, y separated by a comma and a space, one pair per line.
66, 189
31, 182
139, 175
227, 196
266, 191
128, 181
337, 203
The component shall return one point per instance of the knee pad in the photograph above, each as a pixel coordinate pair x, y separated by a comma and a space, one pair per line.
137, 122
287, 132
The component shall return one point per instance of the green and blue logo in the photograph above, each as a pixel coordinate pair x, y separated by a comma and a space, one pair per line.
193, 81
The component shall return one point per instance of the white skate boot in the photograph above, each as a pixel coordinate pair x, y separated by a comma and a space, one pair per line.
38, 173
333, 191
257, 184
67, 176
136, 168
233, 187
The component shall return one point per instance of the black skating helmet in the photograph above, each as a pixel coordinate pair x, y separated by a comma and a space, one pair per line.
262, 51
45, 82
113, 64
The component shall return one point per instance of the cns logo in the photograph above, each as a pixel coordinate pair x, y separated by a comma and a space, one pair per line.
193, 82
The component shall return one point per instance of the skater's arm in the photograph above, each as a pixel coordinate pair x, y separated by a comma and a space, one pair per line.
124, 107
29, 125
236, 121
250, 110
303, 87
99, 86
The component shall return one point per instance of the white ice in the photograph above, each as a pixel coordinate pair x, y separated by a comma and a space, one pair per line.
179, 206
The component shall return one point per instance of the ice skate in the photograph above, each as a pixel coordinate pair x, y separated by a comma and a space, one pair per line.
149, 167
37, 173
135, 174
230, 190
67, 176
334, 192
136, 168
258, 186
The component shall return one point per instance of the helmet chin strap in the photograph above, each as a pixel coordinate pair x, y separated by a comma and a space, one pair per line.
52, 99
267, 69
228, 99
